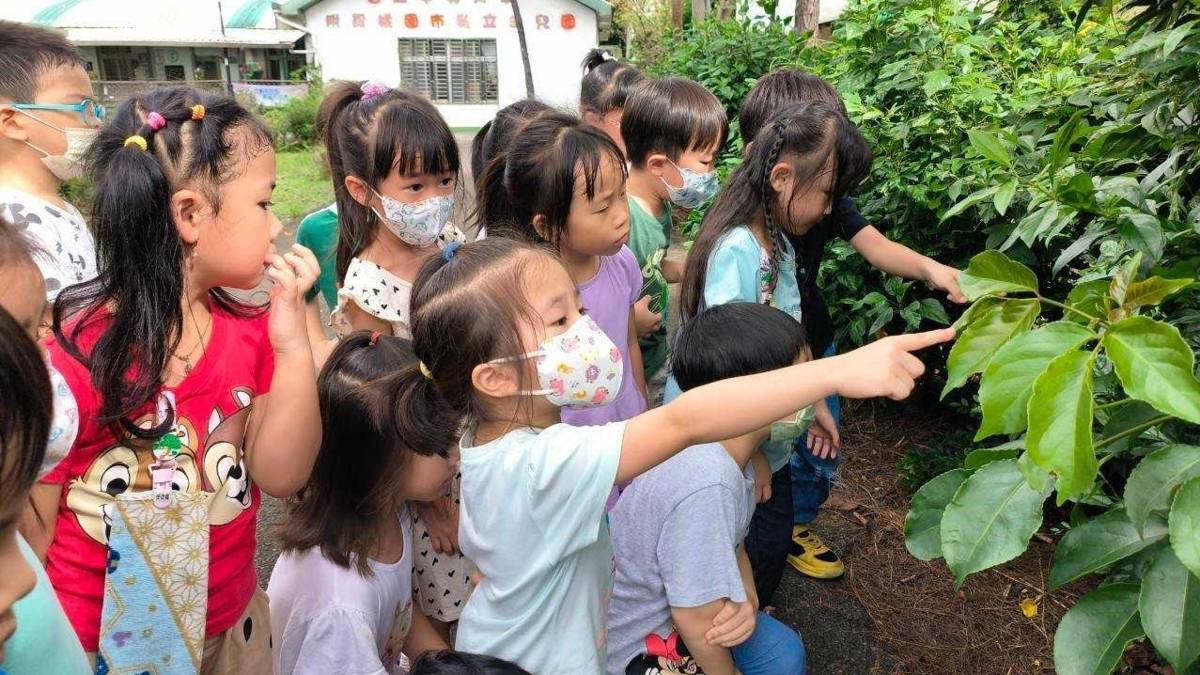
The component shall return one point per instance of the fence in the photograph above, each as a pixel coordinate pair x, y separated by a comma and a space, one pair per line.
265, 92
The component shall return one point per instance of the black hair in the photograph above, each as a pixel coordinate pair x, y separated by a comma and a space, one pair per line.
536, 176
493, 138
672, 115
462, 663
778, 89
806, 136
351, 491
26, 52
367, 137
735, 339
607, 82
140, 255
25, 413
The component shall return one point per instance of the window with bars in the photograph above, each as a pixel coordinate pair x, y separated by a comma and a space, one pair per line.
450, 71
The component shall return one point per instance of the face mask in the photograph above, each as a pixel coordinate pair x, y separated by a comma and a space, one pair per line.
65, 426
417, 224
796, 428
69, 164
697, 188
581, 368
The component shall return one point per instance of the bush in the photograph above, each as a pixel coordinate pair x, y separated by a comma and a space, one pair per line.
295, 122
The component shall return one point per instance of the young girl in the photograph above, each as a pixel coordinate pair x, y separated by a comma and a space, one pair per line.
503, 343
799, 163
395, 172
563, 183
606, 84
493, 138
341, 592
189, 401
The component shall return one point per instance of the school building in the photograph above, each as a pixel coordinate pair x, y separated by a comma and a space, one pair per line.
463, 54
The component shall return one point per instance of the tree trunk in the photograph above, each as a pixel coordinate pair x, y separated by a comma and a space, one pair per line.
516, 8
808, 14
677, 14
699, 10
725, 9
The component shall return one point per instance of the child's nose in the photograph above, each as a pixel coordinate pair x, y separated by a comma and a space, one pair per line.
276, 226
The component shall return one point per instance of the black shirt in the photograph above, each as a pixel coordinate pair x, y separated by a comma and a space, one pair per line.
843, 221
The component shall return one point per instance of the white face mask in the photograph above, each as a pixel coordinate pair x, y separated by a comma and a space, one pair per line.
697, 187
69, 164
419, 223
581, 368
65, 426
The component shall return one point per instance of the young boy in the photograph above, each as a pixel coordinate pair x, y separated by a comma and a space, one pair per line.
318, 233
815, 463
677, 530
673, 129
48, 117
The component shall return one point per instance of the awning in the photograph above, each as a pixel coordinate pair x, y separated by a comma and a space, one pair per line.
182, 37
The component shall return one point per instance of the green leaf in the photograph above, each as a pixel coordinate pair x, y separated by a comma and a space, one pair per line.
1149, 485
935, 81
1038, 478
1060, 423
969, 201
990, 519
1004, 195
993, 272
1076, 249
1088, 298
1061, 147
1170, 608
989, 146
1174, 38
932, 309
1154, 364
977, 459
1008, 380
1099, 543
977, 309
922, 525
1126, 417
1122, 278
979, 341
1143, 233
1184, 524
1093, 634
1078, 192
1152, 291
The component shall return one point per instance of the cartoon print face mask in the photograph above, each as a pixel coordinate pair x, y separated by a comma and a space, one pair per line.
581, 368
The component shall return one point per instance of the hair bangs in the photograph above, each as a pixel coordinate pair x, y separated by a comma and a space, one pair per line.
413, 142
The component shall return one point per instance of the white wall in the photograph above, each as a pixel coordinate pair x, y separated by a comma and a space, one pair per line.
829, 9
370, 52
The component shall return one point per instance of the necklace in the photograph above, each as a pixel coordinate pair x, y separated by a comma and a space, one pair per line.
188, 365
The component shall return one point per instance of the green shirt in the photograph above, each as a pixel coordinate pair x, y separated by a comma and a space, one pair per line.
44, 642
319, 232
649, 238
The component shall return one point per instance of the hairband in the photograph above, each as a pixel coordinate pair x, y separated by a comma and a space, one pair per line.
136, 140
451, 250
372, 90
424, 370
198, 112
155, 121
375, 336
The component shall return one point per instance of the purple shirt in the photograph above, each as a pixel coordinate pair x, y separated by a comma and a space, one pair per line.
609, 296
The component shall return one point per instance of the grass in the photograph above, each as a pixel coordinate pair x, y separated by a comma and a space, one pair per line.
302, 184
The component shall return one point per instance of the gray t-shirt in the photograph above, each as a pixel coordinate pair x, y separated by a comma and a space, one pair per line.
675, 531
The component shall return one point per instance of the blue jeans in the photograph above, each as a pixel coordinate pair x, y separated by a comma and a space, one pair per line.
772, 649
812, 476
770, 536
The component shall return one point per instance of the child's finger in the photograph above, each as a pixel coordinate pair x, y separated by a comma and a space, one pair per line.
916, 341
727, 612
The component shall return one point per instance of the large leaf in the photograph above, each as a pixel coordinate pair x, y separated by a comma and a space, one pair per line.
977, 309
1089, 298
1004, 196
990, 519
1060, 423
1008, 379
922, 525
980, 340
1151, 482
1185, 525
1061, 148
1127, 417
1170, 608
990, 146
977, 459
1093, 634
970, 200
1154, 364
1099, 543
993, 272
1143, 233
1152, 291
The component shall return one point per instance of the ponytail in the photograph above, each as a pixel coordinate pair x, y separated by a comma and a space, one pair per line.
607, 82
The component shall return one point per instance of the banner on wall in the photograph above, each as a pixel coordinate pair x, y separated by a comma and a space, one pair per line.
271, 94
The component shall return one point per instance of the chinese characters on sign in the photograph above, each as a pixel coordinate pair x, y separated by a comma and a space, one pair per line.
411, 21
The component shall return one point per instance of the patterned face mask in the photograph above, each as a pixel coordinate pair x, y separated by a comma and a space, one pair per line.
697, 187
419, 223
796, 428
581, 368
65, 425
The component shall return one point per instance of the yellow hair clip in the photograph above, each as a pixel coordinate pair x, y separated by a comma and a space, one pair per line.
197, 112
424, 370
136, 140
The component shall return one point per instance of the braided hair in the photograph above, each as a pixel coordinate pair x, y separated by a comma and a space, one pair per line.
806, 136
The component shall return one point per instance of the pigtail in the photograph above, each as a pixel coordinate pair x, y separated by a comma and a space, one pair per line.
593, 59
417, 413
478, 163
494, 209
356, 222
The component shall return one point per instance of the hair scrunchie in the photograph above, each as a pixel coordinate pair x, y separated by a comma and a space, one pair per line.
451, 250
155, 121
198, 112
136, 140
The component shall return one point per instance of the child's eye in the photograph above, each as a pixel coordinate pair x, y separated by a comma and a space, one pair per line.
447, 181
266, 204
417, 187
583, 311
561, 322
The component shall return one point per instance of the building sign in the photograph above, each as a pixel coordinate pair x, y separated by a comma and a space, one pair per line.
467, 15
271, 94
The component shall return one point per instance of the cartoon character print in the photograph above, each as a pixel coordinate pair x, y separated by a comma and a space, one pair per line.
225, 472
126, 468
401, 624
664, 657
600, 396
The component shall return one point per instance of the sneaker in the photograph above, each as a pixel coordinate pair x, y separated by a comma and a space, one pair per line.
811, 557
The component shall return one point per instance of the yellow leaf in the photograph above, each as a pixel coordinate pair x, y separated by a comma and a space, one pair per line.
1029, 607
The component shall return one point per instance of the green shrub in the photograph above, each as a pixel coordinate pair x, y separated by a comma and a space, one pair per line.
295, 122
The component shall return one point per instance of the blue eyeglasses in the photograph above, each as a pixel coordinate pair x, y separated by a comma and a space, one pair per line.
90, 112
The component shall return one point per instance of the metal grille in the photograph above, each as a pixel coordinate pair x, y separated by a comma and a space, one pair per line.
450, 71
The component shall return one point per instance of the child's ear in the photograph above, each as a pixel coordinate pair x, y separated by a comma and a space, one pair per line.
496, 380
358, 189
541, 225
657, 164
189, 211
781, 177
11, 124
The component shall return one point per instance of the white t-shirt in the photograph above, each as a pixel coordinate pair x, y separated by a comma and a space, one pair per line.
329, 619
68, 251
533, 521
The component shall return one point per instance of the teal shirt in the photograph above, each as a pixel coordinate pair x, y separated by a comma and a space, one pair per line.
44, 641
649, 238
319, 233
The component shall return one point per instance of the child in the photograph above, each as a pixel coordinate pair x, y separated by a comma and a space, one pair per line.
606, 85
673, 129
458, 663
318, 232
563, 183
806, 157
395, 172
815, 461
48, 118
678, 529
503, 343
493, 138
43, 640
341, 592
156, 353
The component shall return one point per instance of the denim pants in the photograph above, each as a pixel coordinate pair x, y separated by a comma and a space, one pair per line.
772, 649
812, 476
770, 536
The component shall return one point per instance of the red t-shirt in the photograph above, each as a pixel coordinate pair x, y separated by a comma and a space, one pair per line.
212, 406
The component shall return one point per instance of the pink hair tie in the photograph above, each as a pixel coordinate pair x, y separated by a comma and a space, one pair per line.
155, 121
372, 90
